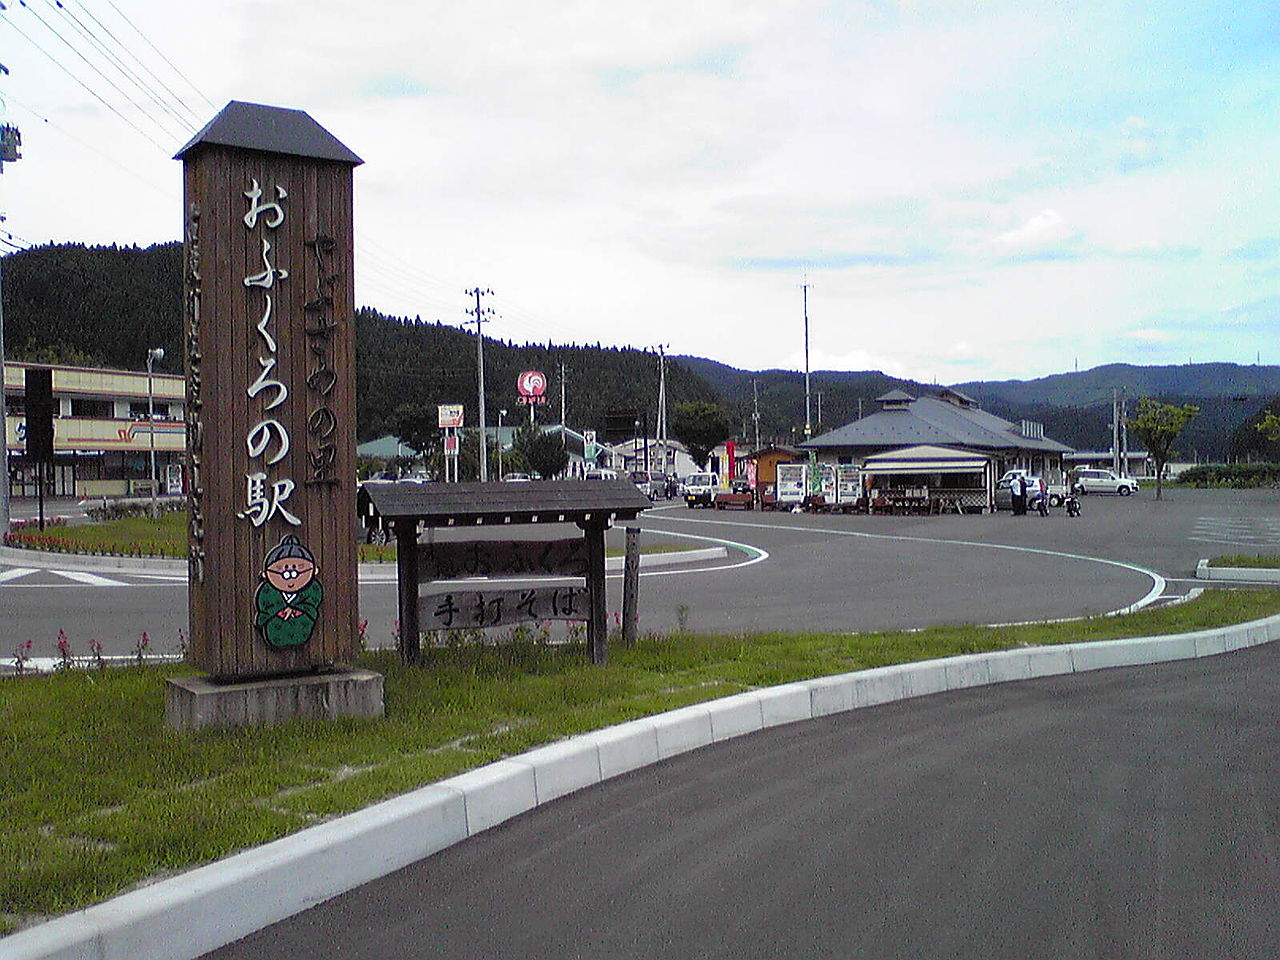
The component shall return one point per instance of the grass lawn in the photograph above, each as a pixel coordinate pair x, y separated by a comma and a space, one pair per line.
1245, 560
99, 795
166, 536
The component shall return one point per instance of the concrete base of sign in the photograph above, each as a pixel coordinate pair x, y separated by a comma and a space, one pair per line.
193, 703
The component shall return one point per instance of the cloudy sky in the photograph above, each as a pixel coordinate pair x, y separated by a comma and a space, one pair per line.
971, 190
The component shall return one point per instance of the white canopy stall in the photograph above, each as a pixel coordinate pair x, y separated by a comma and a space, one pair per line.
937, 479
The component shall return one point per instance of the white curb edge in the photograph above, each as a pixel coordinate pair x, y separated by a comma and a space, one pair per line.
1237, 574
205, 908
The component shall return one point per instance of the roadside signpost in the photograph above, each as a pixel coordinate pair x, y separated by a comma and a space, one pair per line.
270, 365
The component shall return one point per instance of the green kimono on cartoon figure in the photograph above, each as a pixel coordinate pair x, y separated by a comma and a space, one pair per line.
288, 598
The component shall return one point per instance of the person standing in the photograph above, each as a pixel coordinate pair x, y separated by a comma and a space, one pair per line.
1018, 495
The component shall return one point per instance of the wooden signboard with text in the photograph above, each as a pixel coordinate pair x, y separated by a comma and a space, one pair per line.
270, 364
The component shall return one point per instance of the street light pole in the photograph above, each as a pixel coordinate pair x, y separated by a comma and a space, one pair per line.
154, 354
501, 414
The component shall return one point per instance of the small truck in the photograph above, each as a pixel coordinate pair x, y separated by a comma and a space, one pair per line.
739, 496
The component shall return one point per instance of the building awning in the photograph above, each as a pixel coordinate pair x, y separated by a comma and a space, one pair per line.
926, 459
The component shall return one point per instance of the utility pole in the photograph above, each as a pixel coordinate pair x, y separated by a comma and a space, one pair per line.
564, 381
818, 394
808, 420
755, 410
1115, 432
662, 405
10, 141
481, 315
4, 441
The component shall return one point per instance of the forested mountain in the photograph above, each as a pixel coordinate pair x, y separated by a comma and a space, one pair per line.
108, 305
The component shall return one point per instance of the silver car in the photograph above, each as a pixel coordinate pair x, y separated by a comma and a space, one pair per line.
1091, 480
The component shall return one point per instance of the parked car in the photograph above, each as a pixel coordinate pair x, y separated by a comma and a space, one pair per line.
516, 478
1035, 486
1090, 480
600, 473
650, 482
699, 489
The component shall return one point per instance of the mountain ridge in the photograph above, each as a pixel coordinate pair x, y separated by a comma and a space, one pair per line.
57, 296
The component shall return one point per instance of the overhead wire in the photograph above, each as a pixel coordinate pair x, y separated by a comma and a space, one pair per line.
151, 73
121, 67
95, 68
160, 54
149, 182
93, 93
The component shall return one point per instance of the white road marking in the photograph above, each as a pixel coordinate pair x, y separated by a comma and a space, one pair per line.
92, 579
14, 573
1157, 580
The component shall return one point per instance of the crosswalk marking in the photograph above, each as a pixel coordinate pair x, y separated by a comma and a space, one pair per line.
90, 578
1237, 531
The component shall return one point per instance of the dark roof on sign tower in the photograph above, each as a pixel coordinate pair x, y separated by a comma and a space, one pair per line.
255, 126
933, 421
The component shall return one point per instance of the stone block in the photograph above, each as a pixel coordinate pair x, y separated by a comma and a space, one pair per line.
561, 768
626, 747
923, 678
967, 671
1007, 665
1050, 661
785, 704
879, 685
832, 694
495, 793
734, 716
681, 730
193, 703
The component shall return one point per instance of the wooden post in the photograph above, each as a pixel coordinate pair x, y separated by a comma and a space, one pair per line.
407, 588
269, 333
597, 622
630, 586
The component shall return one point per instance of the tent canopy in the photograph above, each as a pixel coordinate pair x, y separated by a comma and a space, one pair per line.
926, 459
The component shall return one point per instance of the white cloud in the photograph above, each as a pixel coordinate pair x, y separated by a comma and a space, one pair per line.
972, 197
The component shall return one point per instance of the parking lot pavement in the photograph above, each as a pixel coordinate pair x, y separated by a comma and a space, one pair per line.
1124, 813
824, 572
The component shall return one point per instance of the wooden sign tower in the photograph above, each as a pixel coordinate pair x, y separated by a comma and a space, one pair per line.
270, 365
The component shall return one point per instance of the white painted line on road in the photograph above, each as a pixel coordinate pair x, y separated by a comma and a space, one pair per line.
92, 579
14, 573
1158, 581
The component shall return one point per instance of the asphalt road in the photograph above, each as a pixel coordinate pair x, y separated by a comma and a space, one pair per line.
822, 572
1128, 813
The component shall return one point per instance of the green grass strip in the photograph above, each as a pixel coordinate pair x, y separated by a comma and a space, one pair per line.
1244, 560
99, 795
166, 536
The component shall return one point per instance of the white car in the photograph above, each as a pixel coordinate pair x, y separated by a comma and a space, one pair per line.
699, 489
1103, 481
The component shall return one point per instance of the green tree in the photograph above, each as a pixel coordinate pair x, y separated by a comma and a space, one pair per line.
1157, 425
540, 452
700, 426
417, 426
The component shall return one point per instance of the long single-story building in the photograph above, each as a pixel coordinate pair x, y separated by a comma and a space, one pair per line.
942, 442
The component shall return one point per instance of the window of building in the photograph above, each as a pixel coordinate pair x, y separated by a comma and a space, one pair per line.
138, 410
99, 409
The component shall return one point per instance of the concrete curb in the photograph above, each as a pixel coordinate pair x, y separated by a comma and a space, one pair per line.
368, 572
1237, 574
198, 911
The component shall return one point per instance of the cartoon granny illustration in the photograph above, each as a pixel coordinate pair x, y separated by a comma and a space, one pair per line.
288, 598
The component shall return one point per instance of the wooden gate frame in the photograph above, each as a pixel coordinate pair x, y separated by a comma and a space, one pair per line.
592, 505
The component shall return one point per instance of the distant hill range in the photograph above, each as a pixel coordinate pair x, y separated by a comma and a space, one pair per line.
108, 305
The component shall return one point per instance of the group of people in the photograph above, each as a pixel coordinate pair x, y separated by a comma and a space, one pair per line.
1024, 495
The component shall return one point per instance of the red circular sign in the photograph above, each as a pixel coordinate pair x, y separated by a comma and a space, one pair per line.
531, 383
